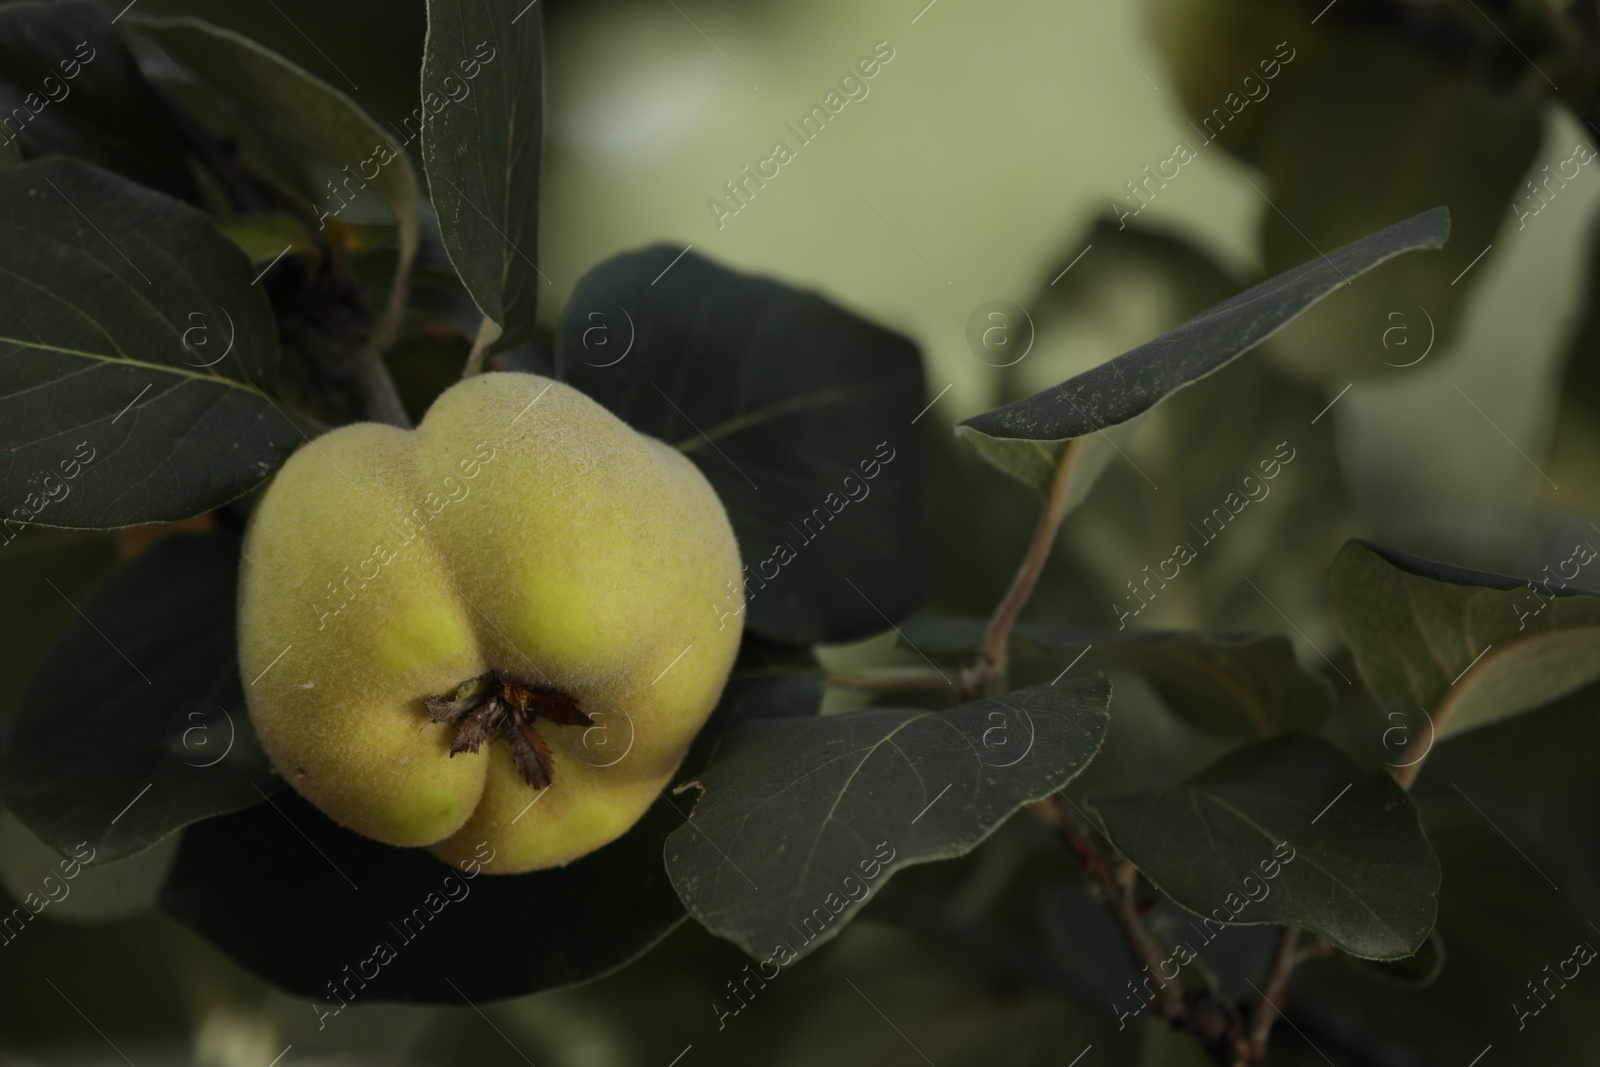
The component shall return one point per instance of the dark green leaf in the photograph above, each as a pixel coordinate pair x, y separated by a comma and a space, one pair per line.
800, 819
134, 724
797, 411
1241, 690
1443, 139
483, 116
1467, 647
1239, 687
272, 87
1142, 281
1137, 380
101, 893
299, 910
1412, 972
1326, 845
134, 355
69, 85
32, 614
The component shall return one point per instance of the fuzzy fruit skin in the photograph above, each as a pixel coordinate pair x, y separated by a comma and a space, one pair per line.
521, 528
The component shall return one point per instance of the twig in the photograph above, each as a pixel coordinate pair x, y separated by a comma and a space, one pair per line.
1212, 1019
1272, 992
1115, 895
377, 388
988, 676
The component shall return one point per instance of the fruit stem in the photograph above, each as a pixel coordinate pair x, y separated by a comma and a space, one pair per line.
377, 388
488, 334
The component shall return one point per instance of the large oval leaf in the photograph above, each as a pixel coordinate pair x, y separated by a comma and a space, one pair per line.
69, 86
134, 352
1327, 845
798, 412
1137, 380
799, 816
134, 723
482, 119
1468, 647
32, 613
298, 899
328, 120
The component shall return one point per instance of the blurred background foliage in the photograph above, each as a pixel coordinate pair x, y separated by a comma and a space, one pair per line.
991, 161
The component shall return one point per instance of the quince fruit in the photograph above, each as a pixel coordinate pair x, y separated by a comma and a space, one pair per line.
502, 628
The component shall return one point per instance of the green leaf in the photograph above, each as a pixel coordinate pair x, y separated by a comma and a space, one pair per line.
483, 117
1146, 281
1137, 380
102, 893
135, 355
801, 819
298, 910
266, 237
1467, 647
134, 723
798, 412
1444, 138
1238, 687
42, 574
1035, 462
1241, 689
324, 117
69, 86
1327, 845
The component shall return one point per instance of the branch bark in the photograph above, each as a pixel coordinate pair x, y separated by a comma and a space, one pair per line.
1116, 895
488, 334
